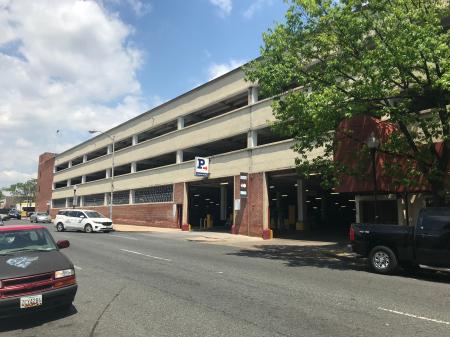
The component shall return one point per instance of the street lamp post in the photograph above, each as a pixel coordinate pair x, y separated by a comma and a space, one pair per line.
113, 138
373, 143
74, 201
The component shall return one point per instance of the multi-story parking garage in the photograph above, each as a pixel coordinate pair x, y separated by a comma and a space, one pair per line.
153, 178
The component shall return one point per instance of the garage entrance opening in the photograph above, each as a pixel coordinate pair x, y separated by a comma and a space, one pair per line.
301, 208
211, 204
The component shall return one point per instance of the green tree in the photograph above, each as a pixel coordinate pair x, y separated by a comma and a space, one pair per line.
385, 58
23, 191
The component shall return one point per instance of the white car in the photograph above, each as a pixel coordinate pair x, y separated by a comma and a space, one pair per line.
82, 220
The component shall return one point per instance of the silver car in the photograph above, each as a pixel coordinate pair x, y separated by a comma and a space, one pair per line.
40, 217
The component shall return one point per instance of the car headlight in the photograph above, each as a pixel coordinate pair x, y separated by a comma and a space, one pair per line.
99, 222
64, 273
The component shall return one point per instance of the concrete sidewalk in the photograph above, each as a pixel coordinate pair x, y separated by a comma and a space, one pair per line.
329, 248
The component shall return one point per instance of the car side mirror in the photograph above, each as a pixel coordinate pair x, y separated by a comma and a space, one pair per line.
63, 244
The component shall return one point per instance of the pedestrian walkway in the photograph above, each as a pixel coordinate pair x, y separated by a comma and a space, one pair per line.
336, 249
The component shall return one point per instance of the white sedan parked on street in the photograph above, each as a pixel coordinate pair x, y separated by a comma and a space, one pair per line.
82, 220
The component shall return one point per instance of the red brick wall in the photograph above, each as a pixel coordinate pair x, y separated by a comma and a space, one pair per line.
249, 220
156, 215
44, 180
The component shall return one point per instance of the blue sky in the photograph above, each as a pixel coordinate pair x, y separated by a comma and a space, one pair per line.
74, 65
183, 39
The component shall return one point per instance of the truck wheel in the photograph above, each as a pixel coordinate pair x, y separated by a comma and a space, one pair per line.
60, 227
88, 228
382, 260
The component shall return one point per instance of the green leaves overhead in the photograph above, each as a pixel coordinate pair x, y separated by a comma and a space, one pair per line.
337, 59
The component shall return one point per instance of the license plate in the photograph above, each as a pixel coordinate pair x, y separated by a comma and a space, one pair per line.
30, 301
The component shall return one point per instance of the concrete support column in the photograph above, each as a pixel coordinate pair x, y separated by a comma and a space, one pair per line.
179, 156
180, 123
358, 208
223, 202
134, 140
253, 95
84, 158
67, 203
70, 164
280, 220
131, 201
109, 149
252, 138
68, 182
301, 203
108, 173
105, 202
133, 167
53, 186
83, 179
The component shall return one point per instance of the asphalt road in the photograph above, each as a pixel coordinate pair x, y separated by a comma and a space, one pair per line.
146, 284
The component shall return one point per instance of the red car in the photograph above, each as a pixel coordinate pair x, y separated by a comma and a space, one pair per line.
34, 274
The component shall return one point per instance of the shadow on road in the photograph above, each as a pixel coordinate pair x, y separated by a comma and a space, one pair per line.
302, 256
330, 256
32, 320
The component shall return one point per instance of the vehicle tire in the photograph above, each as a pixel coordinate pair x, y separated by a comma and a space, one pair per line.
88, 228
382, 260
60, 227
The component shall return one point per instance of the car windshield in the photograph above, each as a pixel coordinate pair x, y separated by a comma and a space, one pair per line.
25, 240
42, 214
92, 214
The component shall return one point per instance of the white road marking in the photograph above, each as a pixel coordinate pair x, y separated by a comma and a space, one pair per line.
79, 268
123, 237
219, 272
414, 316
153, 257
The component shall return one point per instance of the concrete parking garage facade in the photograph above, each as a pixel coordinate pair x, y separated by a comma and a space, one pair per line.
154, 182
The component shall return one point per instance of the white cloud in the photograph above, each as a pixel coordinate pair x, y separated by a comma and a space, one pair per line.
9, 177
256, 6
225, 6
218, 69
67, 65
140, 8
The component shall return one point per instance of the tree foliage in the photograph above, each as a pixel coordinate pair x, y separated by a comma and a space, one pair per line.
23, 191
386, 58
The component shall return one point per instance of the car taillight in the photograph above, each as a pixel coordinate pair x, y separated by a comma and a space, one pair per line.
64, 282
352, 234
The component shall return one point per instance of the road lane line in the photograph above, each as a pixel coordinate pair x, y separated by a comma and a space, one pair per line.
123, 237
153, 257
414, 316
79, 268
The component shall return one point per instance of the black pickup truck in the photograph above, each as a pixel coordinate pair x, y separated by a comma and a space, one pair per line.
388, 246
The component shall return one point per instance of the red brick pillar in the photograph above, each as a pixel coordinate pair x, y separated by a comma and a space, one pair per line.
44, 181
249, 219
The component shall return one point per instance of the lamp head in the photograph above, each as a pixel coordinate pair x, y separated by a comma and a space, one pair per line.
373, 142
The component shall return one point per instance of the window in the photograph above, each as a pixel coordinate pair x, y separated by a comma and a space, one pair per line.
121, 197
59, 203
154, 194
437, 221
94, 200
